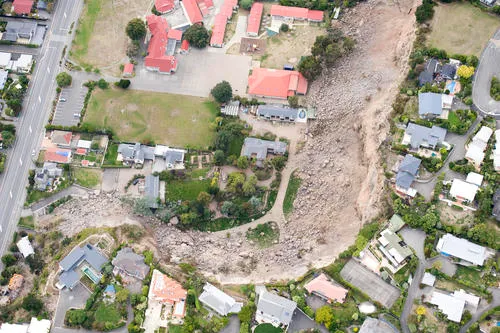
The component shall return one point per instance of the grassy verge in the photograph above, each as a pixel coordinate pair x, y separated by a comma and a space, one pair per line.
85, 29
27, 222
291, 193
263, 234
89, 178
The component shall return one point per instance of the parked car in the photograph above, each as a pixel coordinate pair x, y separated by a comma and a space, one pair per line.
62, 99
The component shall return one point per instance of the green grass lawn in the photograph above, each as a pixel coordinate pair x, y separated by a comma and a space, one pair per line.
453, 119
85, 28
185, 190
235, 146
180, 121
107, 314
267, 328
85, 177
291, 193
468, 274
174, 328
263, 234
459, 27
27, 222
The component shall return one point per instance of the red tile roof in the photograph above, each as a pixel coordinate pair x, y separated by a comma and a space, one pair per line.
254, 18
85, 163
81, 151
22, 6
185, 45
128, 68
324, 287
192, 11
156, 57
164, 6
276, 83
227, 8
174, 34
166, 290
297, 13
218, 31
57, 155
209, 4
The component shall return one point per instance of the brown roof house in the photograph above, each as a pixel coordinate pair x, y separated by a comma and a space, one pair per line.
129, 263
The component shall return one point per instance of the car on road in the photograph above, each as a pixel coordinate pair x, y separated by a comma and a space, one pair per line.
62, 99
135, 181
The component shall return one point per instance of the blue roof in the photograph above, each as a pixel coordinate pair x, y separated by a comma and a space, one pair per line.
110, 289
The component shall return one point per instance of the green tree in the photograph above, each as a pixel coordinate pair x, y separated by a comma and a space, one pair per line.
219, 157
122, 295
123, 83
102, 84
222, 92
197, 36
32, 304
63, 79
249, 185
203, 198
425, 11
75, 317
324, 315
246, 313
235, 181
8, 138
242, 162
293, 101
9, 259
284, 27
35, 262
136, 29
279, 162
310, 67
246, 4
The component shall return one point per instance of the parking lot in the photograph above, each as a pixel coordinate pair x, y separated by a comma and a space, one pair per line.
370, 283
70, 105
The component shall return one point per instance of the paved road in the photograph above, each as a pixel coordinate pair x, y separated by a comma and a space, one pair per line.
30, 125
489, 66
73, 190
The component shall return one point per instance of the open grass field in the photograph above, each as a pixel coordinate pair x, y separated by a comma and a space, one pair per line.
100, 39
85, 177
133, 115
460, 27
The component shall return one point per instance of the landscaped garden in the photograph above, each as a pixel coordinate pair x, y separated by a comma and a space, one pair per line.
267, 328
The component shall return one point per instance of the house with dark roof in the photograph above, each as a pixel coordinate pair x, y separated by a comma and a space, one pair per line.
417, 136
496, 205
19, 30
276, 83
44, 176
273, 309
253, 147
86, 260
432, 105
127, 262
152, 190
407, 172
449, 71
281, 113
134, 153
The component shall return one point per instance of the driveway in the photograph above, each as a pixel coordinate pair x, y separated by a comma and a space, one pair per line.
233, 326
68, 299
415, 238
70, 103
489, 66
197, 73
302, 322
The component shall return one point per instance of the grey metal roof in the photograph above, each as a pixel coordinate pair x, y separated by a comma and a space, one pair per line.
421, 134
448, 71
219, 301
433, 66
127, 150
69, 278
130, 262
94, 257
173, 156
430, 103
22, 29
276, 111
152, 190
276, 306
72, 259
425, 77
149, 152
136, 151
407, 171
260, 148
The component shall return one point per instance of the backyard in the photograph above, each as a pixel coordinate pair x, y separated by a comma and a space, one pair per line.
139, 116
461, 28
267, 328
89, 178
100, 38
186, 190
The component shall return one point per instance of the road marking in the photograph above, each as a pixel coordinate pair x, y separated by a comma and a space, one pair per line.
48, 70
39, 99
10, 193
31, 130
20, 161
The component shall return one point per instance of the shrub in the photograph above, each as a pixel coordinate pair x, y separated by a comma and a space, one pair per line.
465, 72
63, 79
495, 89
425, 11
102, 84
124, 84
9, 260
246, 4
284, 27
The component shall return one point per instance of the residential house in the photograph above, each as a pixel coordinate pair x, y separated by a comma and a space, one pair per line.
496, 205
157, 59
86, 145
22, 7
166, 158
475, 151
428, 279
17, 30
254, 19
394, 249
35, 326
128, 70
152, 190
57, 155
472, 301
61, 139
281, 113
3, 78
164, 6
463, 191
420, 136
449, 305
323, 287
253, 147
219, 301
24, 246
407, 173
273, 309
276, 83
5, 59
81, 260
134, 154
449, 71
127, 262
372, 325
44, 176
432, 67
469, 253
431, 105
488, 3
23, 64
290, 14
474, 178
396, 223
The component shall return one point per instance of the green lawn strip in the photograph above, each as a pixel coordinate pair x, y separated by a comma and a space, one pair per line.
235, 146
267, 328
291, 193
263, 234
89, 178
186, 190
111, 155
468, 274
107, 314
196, 173
27, 222
85, 29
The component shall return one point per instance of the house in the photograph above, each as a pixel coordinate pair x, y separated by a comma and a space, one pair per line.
134, 154
488, 3
192, 11
3, 78
253, 147
463, 191
407, 172
290, 14
41, 5
44, 176
231, 108
254, 19
431, 105
428, 279
420, 136
127, 262
85, 145
450, 306
23, 64
166, 158
326, 289
281, 113
5, 59
128, 70
496, 205
219, 301
496, 152
22, 7
81, 260
57, 155
448, 71
152, 190
157, 60
372, 325
394, 248
396, 223
475, 151
164, 6
470, 300
16, 30
276, 83
61, 139
474, 178
218, 31
451, 246
24, 246
273, 309
35, 326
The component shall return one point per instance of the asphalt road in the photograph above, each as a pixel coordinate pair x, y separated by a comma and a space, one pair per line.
489, 66
30, 125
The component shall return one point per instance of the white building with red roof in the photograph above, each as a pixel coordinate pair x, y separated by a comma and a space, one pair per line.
324, 288
192, 11
157, 59
290, 14
164, 6
218, 31
254, 19
276, 83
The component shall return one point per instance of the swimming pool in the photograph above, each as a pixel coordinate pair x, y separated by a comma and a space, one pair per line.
451, 86
90, 273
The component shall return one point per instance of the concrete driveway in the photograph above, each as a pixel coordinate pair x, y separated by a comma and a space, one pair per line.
70, 103
302, 322
415, 238
68, 299
489, 66
197, 73
233, 326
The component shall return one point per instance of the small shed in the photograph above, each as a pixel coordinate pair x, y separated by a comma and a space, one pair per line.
25, 247
128, 70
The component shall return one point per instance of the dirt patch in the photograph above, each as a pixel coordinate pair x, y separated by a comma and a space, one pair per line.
253, 46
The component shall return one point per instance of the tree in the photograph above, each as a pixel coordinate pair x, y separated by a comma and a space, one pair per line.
420, 310
122, 295
15, 104
136, 29
75, 317
495, 329
235, 181
219, 157
35, 262
242, 162
425, 11
133, 49
33, 304
222, 92
8, 138
246, 4
246, 313
102, 84
310, 67
249, 185
284, 27
279, 162
465, 71
123, 83
293, 101
324, 315
63, 79
9, 260
203, 198
197, 36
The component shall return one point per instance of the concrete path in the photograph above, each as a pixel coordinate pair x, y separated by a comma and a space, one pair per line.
73, 190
